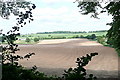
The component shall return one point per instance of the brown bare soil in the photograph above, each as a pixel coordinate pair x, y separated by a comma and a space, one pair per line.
54, 56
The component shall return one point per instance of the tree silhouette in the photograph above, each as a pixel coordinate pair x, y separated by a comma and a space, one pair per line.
8, 8
79, 73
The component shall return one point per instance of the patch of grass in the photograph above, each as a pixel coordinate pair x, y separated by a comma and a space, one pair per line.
23, 42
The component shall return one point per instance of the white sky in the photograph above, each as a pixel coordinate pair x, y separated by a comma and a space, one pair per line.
58, 15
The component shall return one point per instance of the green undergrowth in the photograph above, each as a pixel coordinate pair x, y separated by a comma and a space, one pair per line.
118, 51
15, 72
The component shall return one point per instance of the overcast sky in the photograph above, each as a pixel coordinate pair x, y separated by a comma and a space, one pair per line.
58, 15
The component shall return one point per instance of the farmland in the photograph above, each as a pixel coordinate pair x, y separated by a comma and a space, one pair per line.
46, 36
54, 56
56, 52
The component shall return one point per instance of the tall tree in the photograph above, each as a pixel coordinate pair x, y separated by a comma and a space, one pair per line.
112, 8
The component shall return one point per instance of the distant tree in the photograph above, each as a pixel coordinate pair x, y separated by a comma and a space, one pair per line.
77, 36
29, 36
81, 36
88, 37
27, 40
36, 39
49, 35
93, 36
22, 35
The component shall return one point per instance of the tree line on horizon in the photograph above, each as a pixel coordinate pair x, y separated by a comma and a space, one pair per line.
74, 32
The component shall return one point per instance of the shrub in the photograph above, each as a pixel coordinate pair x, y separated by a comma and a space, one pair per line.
23, 35
118, 51
101, 40
59, 37
27, 40
36, 39
76, 36
49, 35
93, 36
81, 36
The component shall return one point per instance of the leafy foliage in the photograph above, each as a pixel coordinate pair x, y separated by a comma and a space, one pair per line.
13, 7
8, 52
89, 7
15, 72
79, 73
92, 36
102, 40
112, 8
114, 31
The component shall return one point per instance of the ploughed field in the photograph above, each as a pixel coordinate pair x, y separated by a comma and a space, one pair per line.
54, 56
